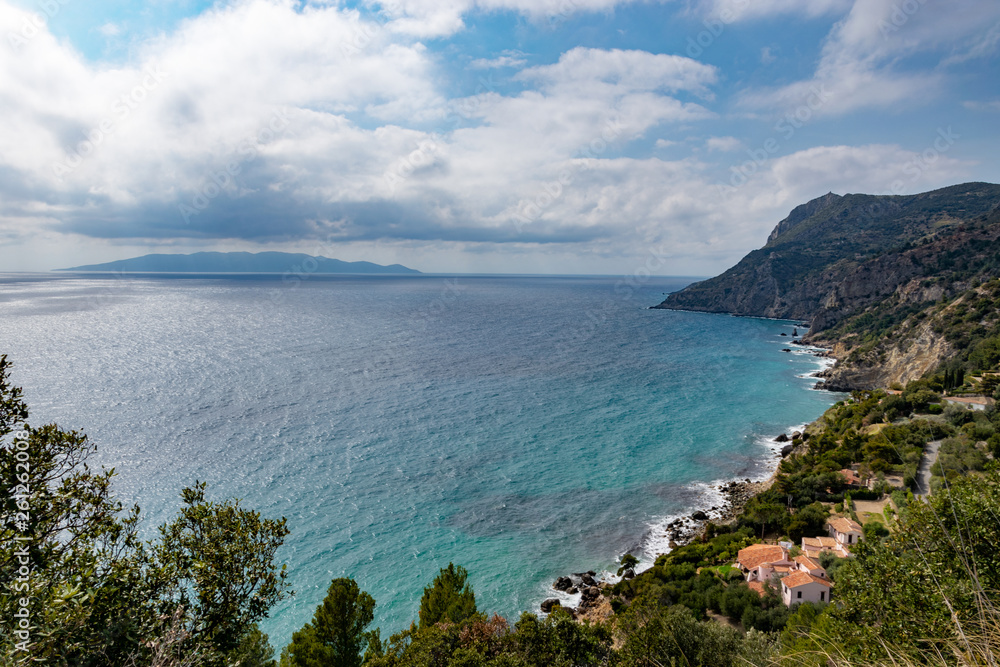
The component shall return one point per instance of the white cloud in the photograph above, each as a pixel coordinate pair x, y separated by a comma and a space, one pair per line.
110, 30
507, 59
341, 159
439, 18
745, 10
723, 144
767, 56
860, 66
372, 153
975, 105
624, 70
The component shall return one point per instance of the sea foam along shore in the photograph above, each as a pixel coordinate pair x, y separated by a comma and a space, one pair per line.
723, 500
719, 502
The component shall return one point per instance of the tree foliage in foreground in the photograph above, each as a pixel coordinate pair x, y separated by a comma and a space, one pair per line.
336, 636
449, 598
98, 595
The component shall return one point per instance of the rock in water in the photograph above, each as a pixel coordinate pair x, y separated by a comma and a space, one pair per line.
629, 574
781, 438
563, 583
588, 579
787, 449
549, 605
699, 516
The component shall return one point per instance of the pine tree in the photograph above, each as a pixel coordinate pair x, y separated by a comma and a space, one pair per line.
336, 636
449, 599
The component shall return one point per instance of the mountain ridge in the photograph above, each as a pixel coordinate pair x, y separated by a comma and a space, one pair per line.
868, 272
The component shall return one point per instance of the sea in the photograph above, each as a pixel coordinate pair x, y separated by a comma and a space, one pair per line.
523, 427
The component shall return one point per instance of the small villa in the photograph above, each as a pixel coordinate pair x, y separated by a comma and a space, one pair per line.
814, 546
758, 561
851, 478
845, 531
806, 564
800, 586
802, 579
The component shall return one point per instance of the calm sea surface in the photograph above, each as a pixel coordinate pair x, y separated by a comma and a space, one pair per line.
523, 427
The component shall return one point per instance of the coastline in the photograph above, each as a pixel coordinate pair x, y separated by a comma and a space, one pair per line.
722, 503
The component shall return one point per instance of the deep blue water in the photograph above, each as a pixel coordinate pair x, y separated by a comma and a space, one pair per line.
523, 427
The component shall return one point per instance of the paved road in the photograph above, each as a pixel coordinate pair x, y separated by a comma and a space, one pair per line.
924, 469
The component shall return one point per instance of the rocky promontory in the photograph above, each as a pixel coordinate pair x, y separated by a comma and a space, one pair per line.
869, 274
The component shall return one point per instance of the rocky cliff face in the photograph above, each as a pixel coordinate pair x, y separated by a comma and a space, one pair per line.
858, 267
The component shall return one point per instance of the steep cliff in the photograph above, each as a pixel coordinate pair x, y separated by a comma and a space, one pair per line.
865, 271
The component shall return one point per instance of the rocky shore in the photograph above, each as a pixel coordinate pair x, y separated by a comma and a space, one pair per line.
594, 606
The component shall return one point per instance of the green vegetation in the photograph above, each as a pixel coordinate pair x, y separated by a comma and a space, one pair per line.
337, 636
78, 586
449, 599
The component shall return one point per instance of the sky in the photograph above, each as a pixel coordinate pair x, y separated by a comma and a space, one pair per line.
478, 136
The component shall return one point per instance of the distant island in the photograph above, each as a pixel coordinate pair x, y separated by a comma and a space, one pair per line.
242, 262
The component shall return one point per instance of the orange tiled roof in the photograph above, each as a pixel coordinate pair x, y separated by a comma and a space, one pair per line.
845, 525
797, 579
819, 543
808, 562
757, 587
850, 476
754, 555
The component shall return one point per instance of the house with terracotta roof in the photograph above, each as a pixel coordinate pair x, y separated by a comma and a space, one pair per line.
814, 546
851, 478
809, 565
845, 531
801, 587
758, 561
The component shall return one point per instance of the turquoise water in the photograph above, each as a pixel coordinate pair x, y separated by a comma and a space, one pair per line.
524, 427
